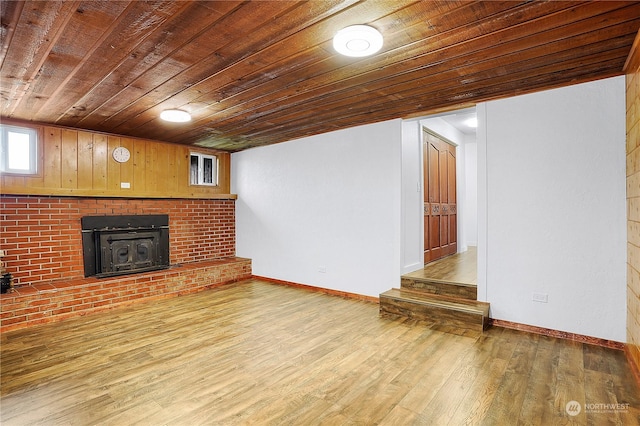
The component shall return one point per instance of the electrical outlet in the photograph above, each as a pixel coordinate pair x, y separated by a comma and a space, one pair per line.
540, 297
125, 185
322, 269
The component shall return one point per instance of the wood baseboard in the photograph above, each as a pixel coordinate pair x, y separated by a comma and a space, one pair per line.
559, 334
320, 289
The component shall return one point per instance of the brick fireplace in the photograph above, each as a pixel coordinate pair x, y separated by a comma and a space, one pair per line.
42, 240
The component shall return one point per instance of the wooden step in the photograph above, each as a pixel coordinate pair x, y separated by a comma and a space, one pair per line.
441, 287
443, 310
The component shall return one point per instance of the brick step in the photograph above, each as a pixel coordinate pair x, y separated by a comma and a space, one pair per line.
441, 287
438, 309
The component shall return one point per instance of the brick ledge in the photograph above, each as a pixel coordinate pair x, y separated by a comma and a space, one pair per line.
56, 285
30, 305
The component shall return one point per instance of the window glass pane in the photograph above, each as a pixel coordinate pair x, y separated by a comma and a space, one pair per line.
194, 170
207, 174
18, 151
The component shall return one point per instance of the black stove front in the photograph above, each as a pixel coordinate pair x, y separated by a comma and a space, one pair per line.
117, 245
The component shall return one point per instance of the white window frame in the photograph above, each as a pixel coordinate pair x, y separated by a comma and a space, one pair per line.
32, 133
198, 176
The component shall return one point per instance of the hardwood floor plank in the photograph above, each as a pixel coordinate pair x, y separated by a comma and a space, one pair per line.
570, 385
457, 268
542, 385
440, 367
258, 353
490, 366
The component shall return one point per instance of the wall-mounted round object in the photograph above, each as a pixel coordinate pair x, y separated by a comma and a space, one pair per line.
121, 154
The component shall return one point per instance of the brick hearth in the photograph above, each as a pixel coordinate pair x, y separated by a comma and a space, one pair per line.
42, 240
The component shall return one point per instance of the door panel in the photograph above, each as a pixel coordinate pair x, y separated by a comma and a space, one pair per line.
440, 209
433, 176
451, 178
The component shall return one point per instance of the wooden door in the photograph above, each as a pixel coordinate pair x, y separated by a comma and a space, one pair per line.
440, 209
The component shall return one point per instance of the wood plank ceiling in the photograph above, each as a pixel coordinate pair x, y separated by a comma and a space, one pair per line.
254, 73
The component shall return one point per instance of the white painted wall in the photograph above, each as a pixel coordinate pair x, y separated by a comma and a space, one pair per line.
555, 208
412, 210
550, 195
469, 215
328, 201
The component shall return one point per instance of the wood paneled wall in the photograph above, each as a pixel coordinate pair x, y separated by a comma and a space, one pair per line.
632, 71
80, 163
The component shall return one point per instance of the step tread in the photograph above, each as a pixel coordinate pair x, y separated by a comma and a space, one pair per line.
441, 287
437, 281
458, 304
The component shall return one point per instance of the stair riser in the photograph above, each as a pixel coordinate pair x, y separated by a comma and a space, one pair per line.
445, 289
466, 320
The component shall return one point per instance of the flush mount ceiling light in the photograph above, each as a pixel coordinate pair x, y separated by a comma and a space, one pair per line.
471, 122
175, 115
357, 41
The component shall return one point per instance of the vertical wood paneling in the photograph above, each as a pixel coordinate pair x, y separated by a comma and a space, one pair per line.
69, 159
632, 71
151, 173
100, 154
126, 169
163, 173
14, 181
79, 162
138, 155
85, 160
224, 173
172, 176
52, 157
113, 167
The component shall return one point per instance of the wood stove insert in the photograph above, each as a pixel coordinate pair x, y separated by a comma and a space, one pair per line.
118, 245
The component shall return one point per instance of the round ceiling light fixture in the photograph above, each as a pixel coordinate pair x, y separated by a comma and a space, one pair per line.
175, 115
357, 41
471, 122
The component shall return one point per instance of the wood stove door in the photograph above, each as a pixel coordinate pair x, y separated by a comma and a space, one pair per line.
122, 252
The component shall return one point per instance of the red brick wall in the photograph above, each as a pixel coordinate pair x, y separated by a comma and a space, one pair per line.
42, 235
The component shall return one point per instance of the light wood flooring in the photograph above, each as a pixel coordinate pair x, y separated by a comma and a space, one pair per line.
256, 353
457, 268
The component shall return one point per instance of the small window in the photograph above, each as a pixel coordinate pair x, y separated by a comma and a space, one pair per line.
203, 169
18, 150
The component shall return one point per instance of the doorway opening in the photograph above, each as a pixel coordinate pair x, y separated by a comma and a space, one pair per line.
449, 171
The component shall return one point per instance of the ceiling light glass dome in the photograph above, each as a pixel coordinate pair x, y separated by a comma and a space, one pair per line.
175, 115
357, 41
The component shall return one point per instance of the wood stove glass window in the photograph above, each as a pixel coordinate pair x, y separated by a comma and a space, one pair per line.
203, 169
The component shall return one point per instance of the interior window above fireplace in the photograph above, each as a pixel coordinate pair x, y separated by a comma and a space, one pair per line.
18, 150
203, 169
